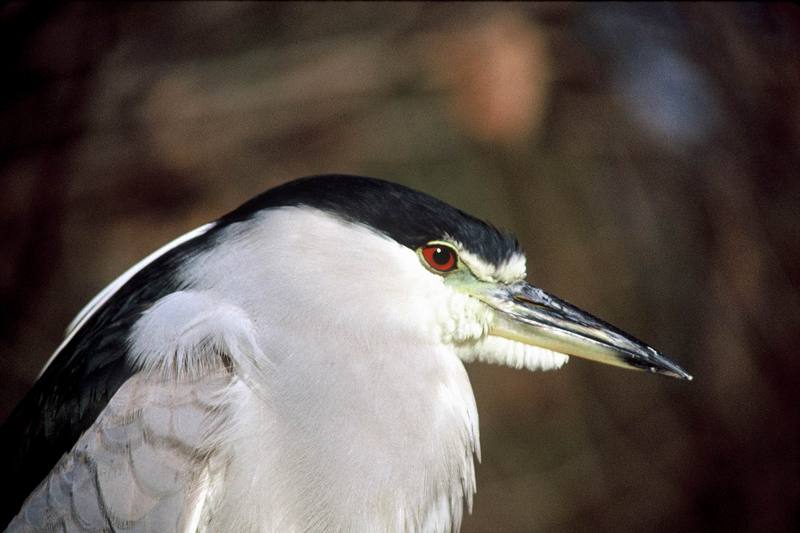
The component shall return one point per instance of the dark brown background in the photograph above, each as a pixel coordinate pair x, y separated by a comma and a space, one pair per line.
646, 155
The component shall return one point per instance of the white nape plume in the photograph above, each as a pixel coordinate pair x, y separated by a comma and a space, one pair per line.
109, 290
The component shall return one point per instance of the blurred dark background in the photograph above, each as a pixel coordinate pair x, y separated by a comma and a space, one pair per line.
646, 155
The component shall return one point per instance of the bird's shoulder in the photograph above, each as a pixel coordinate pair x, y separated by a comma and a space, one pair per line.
94, 361
145, 463
146, 458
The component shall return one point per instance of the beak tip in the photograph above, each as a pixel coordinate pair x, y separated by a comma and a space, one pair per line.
666, 366
673, 371
682, 375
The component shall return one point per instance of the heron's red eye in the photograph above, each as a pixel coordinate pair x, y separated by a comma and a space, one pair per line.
440, 257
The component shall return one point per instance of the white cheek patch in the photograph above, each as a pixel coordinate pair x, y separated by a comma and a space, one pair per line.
463, 318
497, 350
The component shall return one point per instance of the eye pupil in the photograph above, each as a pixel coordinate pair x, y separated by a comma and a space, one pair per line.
441, 256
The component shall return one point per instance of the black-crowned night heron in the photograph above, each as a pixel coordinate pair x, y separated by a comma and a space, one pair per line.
296, 365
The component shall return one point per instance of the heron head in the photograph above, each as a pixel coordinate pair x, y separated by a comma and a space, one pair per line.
371, 256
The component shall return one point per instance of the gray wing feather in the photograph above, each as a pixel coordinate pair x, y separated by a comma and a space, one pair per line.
140, 467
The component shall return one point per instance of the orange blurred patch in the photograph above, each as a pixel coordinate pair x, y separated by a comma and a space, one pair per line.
497, 73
